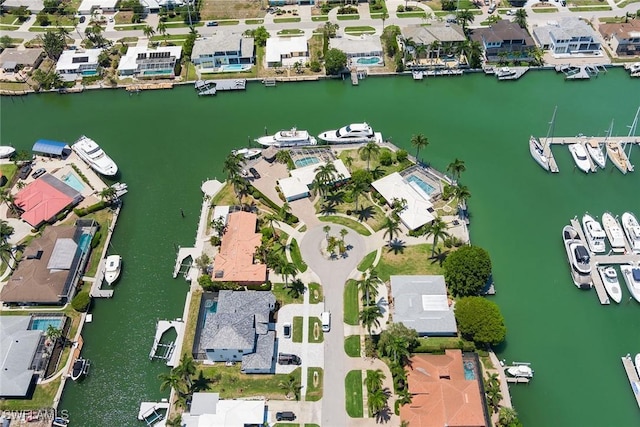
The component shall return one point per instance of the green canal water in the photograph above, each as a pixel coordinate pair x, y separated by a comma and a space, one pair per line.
167, 142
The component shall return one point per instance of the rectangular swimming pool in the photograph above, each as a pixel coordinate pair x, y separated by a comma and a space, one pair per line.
306, 161
420, 183
43, 323
73, 181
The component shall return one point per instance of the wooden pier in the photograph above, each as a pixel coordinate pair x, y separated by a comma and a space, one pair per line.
512, 73
632, 375
546, 150
354, 78
149, 86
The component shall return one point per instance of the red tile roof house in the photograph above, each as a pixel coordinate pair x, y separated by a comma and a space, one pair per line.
440, 394
235, 262
45, 198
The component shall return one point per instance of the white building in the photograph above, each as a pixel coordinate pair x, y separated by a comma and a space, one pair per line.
568, 37
286, 51
208, 410
364, 50
297, 186
74, 64
419, 207
142, 61
33, 6
222, 49
88, 6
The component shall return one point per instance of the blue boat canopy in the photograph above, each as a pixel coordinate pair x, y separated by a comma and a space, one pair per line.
51, 148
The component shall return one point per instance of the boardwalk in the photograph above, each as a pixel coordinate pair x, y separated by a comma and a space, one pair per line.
632, 375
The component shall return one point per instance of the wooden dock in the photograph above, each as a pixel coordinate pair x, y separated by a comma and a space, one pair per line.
632, 375
546, 150
149, 86
354, 78
513, 73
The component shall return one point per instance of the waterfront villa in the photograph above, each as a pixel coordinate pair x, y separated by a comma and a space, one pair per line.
504, 36
432, 40
88, 6
298, 185
445, 391
208, 410
419, 209
33, 6
623, 38
144, 62
75, 64
41, 200
361, 51
52, 266
12, 59
239, 329
212, 52
570, 36
286, 51
236, 260
421, 303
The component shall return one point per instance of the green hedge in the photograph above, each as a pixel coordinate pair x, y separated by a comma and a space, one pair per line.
81, 302
89, 209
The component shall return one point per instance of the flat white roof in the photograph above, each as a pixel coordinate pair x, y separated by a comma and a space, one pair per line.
67, 58
215, 412
278, 46
128, 62
221, 212
32, 5
416, 214
307, 174
87, 5
293, 188
366, 43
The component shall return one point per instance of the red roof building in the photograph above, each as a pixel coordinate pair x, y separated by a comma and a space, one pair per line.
44, 198
440, 393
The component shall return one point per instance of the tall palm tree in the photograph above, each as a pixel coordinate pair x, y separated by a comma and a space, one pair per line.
10, 200
374, 380
284, 210
326, 230
370, 317
521, 18
377, 401
462, 193
162, 29
148, 31
291, 386
507, 416
232, 165
107, 193
494, 397
456, 168
295, 288
396, 347
377, 172
391, 228
53, 333
326, 174
465, 17
437, 230
7, 249
419, 141
434, 47
369, 151
186, 369
286, 269
6, 231
369, 287
356, 188
348, 161
272, 218
343, 233
283, 156
240, 186
171, 380
201, 383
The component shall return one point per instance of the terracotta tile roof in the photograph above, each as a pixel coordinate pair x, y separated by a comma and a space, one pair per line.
235, 263
440, 393
42, 199
622, 31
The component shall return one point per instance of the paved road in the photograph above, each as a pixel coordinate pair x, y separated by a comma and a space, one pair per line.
333, 275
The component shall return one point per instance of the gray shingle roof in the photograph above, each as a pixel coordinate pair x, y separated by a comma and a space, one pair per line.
427, 35
263, 357
223, 42
363, 44
17, 347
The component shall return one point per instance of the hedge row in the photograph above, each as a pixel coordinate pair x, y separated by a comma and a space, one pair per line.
90, 209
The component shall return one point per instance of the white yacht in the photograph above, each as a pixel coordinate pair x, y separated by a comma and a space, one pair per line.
597, 154
632, 230
578, 257
520, 370
594, 234
248, 153
89, 151
350, 134
537, 152
618, 158
112, 268
614, 232
287, 138
632, 278
580, 156
6, 151
609, 277
637, 363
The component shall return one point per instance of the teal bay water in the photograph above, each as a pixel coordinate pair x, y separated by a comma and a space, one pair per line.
167, 142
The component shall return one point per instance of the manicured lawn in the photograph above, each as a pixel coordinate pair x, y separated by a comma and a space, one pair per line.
319, 18
169, 37
231, 383
296, 335
8, 170
192, 321
352, 345
352, 17
411, 15
8, 19
589, 8
315, 330
412, 260
291, 32
282, 295
254, 21
225, 196
359, 30
347, 222
367, 261
353, 393
104, 218
314, 384
351, 309
296, 256
544, 10
283, 20
14, 86
439, 344
42, 398
315, 293
132, 28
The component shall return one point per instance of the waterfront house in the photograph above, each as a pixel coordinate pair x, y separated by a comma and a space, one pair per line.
623, 38
299, 184
286, 51
291, 2
88, 6
426, 43
570, 36
364, 50
236, 260
33, 6
13, 60
18, 348
208, 410
421, 303
504, 39
44, 198
445, 391
419, 209
240, 330
145, 62
51, 266
212, 52
77, 63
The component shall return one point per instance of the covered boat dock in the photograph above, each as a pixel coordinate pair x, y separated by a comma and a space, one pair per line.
51, 148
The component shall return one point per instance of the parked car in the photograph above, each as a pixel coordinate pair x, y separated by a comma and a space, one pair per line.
25, 171
288, 359
212, 24
285, 416
82, 19
511, 12
255, 173
492, 8
38, 173
286, 328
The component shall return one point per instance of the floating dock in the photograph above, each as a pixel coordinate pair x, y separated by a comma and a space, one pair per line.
149, 86
510, 73
167, 351
211, 87
582, 72
149, 412
632, 375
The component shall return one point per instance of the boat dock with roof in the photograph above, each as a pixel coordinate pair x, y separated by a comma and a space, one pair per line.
632, 375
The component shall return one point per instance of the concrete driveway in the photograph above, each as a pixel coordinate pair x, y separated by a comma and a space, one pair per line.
312, 355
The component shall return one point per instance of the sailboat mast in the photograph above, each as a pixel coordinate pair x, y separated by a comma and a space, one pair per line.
551, 126
632, 132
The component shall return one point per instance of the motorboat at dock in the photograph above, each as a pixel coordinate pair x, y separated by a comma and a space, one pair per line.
631, 276
578, 257
594, 234
632, 231
520, 370
112, 268
6, 151
288, 138
90, 152
614, 232
611, 283
248, 153
537, 152
354, 133
579, 154
80, 368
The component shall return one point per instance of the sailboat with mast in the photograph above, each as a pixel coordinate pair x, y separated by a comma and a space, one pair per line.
537, 148
595, 149
616, 151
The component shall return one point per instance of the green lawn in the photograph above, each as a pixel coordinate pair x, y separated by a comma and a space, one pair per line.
192, 322
315, 293
367, 261
8, 170
439, 344
282, 295
296, 335
351, 309
319, 18
8, 19
347, 222
412, 260
254, 21
359, 30
411, 15
352, 345
353, 394
314, 384
42, 398
283, 20
544, 10
296, 256
291, 32
168, 37
351, 17
133, 28
315, 330
589, 8
231, 383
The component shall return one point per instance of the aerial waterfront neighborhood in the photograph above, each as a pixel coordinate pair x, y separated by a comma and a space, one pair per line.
332, 280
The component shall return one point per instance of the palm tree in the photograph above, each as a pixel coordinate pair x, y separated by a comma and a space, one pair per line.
374, 380
438, 230
232, 165
439, 256
396, 347
493, 380
465, 17
343, 233
370, 317
475, 54
291, 386
295, 288
107, 193
7, 249
461, 193
283, 156
507, 416
148, 31
377, 172
171, 380
326, 230
356, 188
503, 57
434, 46
6, 231
391, 228
162, 30
521, 18
53, 333
369, 286
326, 174
186, 369
419, 141
494, 397
240, 186
369, 151
286, 269
377, 401
175, 421
271, 218
537, 54
10, 200
284, 210
201, 383
348, 161
456, 168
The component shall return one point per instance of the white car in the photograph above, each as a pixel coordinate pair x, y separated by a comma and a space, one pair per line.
511, 12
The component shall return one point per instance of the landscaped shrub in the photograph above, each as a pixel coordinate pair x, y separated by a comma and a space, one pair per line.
81, 302
386, 158
401, 155
95, 240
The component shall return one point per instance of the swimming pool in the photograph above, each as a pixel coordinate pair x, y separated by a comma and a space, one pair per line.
229, 68
420, 183
469, 372
372, 60
43, 323
156, 72
73, 181
85, 242
210, 308
306, 161
89, 72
